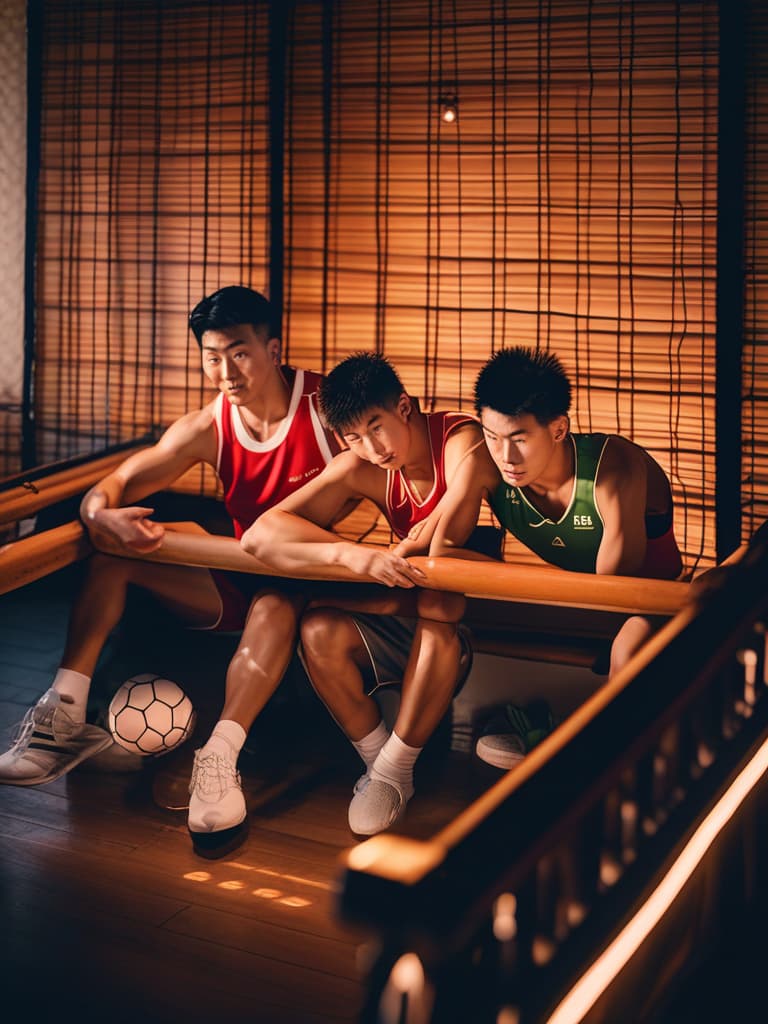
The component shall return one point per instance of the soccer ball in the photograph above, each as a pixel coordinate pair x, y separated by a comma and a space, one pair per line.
150, 715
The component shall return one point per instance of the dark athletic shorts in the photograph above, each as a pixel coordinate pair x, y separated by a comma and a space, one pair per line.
388, 640
237, 590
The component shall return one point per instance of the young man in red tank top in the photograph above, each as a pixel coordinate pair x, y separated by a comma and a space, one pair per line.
263, 436
402, 460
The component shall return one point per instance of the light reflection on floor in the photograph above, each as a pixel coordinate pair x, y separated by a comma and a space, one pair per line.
279, 895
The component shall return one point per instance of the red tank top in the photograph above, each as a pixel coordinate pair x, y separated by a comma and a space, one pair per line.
403, 509
257, 475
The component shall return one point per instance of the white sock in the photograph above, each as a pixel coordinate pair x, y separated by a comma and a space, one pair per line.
369, 746
395, 764
73, 684
227, 739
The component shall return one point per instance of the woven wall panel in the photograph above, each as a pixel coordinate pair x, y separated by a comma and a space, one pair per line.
572, 206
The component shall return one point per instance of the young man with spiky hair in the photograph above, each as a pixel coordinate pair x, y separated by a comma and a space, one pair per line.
263, 436
402, 460
594, 503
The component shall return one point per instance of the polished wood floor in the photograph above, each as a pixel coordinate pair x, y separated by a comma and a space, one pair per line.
106, 911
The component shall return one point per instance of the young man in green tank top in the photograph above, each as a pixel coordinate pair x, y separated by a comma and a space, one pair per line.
594, 503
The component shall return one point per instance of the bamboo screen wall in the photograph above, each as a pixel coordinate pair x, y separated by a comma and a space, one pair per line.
13, 139
755, 363
572, 205
153, 192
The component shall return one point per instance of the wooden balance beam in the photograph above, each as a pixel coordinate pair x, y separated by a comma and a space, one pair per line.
26, 560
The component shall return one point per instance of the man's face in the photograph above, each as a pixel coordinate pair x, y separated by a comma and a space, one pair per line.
240, 361
520, 446
382, 436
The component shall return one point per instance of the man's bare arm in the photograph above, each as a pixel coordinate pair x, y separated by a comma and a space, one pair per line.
109, 509
294, 535
620, 492
476, 476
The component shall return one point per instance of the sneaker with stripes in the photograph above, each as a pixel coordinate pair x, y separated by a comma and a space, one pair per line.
49, 743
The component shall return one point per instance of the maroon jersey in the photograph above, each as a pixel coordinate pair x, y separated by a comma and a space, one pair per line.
403, 508
258, 474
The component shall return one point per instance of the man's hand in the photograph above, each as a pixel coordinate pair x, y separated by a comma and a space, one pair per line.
384, 566
129, 529
412, 544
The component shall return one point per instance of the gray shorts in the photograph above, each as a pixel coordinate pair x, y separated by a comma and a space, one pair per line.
388, 640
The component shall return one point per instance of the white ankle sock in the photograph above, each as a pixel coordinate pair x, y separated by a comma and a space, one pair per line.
369, 746
227, 739
395, 763
75, 685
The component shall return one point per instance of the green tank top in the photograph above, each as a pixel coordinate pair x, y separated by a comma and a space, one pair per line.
573, 541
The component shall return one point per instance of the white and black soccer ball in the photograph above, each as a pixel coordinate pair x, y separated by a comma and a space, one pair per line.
150, 715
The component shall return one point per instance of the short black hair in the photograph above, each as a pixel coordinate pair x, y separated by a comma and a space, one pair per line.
357, 384
231, 306
522, 380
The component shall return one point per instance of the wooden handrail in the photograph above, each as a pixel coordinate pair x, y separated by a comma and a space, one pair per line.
24, 500
189, 544
24, 561
691, 682
503, 581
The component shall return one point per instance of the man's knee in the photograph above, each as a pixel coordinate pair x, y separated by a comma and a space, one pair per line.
440, 605
103, 568
273, 611
630, 638
327, 633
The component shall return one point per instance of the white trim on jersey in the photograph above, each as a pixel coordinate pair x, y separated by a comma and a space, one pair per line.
218, 412
250, 443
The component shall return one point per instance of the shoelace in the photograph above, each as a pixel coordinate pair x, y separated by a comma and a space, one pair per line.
213, 775
362, 783
40, 714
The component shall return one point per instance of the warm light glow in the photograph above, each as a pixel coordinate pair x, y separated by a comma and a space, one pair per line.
504, 922
312, 882
295, 901
198, 876
599, 976
268, 894
231, 883
408, 974
508, 1015
407, 996
750, 667
449, 109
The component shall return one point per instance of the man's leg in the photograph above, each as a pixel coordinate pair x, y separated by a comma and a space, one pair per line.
54, 736
630, 638
336, 657
267, 643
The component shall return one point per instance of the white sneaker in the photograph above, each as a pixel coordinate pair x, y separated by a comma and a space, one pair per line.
216, 800
49, 743
376, 805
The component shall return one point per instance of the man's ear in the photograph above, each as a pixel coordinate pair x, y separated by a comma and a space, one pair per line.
560, 427
273, 350
404, 407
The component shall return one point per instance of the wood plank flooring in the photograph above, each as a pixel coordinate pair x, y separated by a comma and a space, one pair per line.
106, 911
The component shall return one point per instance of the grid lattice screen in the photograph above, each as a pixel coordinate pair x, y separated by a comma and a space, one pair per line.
13, 167
755, 363
153, 192
571, 206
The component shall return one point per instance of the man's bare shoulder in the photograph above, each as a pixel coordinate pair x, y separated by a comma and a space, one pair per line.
194, 429
464, 436
623, 461
358, 474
